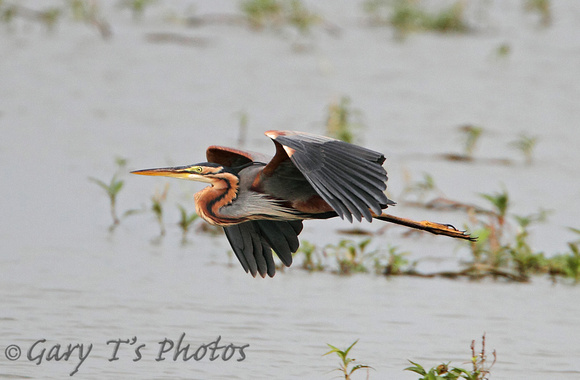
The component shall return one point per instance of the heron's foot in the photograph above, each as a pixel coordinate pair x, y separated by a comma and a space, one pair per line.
447, 230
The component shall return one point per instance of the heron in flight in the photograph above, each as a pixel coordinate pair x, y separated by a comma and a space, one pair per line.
261, 202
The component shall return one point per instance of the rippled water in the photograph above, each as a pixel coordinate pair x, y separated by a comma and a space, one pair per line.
70, 102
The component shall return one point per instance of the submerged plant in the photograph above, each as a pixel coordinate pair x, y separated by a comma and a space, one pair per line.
346, 366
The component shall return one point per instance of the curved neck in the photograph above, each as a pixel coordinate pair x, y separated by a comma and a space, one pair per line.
222, 192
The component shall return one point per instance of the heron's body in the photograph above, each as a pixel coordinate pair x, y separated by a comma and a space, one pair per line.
261, 203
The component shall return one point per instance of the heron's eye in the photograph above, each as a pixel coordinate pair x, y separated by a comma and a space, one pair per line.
196, 169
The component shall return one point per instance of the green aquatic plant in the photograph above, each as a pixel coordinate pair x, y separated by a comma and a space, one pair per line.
185, 221
411, 15
444, 371
259, 13
312, 260
421, 187
277, 13
112, 189
500, 202
489, 249
341, 120
346, 366
89, 13
567, 264
503, 50
542, 8
157, 201
7, 12
137, 7
351, 256
48, 16
299, 16
526, 145
471, 134
397, 263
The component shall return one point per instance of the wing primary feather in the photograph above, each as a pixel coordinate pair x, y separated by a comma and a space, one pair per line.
351, 164
290, 235
331, 199
374, 188
259, 253
363, 198
296, 226
372, 196
271, 266
236, 241
271, 231
348, 199
248, 248
366, 154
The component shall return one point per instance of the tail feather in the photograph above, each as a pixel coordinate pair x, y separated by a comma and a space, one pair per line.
425, 225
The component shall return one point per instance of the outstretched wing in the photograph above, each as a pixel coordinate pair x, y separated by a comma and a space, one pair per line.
350, 178
253, 242
231, 157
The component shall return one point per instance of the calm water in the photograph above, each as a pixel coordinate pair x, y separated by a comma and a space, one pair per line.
71, 102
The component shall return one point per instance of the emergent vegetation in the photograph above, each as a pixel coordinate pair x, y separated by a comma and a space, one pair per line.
346, 365
444, 371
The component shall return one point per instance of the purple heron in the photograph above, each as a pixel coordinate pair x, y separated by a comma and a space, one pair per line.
262, 202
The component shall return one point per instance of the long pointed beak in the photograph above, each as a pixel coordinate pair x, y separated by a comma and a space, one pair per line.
174, 172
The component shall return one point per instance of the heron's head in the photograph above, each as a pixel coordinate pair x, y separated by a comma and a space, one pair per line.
203, 172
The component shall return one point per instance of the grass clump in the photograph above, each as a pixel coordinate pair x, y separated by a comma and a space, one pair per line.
411, 16
351, 256
346, 366
49, 17
312, 261
261, 14
397, 263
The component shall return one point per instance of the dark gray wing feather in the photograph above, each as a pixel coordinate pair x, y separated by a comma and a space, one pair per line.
350, 178
253, 242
